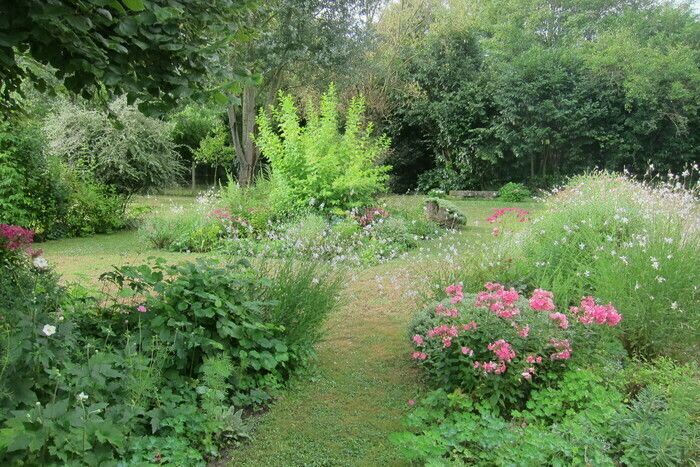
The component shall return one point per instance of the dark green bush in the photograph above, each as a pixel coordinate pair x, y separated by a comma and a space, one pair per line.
513, 192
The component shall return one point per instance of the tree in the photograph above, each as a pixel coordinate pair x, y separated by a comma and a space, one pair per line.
214, 151
295, 39
141, 48
190, 125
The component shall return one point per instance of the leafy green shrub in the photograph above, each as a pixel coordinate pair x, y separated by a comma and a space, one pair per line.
145, 373
583, 419
91, 208
316, 165
123, 148
203, 308
449, 428
393, 230
31, 194
624, 242
513, 192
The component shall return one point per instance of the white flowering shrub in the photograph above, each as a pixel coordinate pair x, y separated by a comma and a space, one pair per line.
628, 242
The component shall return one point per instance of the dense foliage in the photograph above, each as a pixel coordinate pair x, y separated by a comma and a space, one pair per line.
161, 49
122, 147
148, 372
43, 193
317, 165
481, 93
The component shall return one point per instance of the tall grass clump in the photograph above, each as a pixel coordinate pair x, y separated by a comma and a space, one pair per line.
626, 242
302, 295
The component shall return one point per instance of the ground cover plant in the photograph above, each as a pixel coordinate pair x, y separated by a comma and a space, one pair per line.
157, 368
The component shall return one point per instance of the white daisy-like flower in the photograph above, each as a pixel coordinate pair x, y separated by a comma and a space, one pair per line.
82, 397
674, 305
40, 263
48, 330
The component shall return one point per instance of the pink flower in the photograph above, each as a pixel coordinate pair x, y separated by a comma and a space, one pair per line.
561, 319
14, 237
498, 213
591, 312
498, 300
467, 351
503, 350
419, 355
470, 325
418, 339
411, 402
142, 309
524, 331
564, 349
441, 309
455, 292
542, 300
533, 359
446, 341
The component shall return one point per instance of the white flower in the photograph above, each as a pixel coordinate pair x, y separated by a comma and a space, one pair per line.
40, 263
582, 246
82, 396
48, 330
674, 305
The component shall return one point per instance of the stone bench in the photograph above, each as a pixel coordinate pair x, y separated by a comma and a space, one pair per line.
473, 194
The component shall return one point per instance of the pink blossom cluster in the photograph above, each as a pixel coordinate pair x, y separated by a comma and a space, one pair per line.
533, 359
542, 300
455, 292
523, 331
499, 300
521, 214
503, 350
563, 347
370, 215
561, 319
491, 367
225, 215
471, 325
418, 340
590, 312
419, 355
14, 237
442, 310
445, 332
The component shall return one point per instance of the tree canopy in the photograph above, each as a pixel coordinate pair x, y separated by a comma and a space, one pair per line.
155, 49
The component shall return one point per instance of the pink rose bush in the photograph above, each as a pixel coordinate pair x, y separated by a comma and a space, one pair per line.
497, 344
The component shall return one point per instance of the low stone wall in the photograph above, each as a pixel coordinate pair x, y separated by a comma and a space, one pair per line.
473, 194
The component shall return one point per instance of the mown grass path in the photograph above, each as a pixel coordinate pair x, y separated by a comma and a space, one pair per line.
360, 387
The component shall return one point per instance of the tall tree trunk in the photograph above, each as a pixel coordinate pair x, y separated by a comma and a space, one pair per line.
194, 169
246, 153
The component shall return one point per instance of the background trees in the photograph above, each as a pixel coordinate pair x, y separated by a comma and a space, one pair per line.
532, 90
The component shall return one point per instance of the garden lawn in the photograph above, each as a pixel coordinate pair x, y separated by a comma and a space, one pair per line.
344, 409
86, 258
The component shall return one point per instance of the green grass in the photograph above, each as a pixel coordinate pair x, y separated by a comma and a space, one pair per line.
343, 411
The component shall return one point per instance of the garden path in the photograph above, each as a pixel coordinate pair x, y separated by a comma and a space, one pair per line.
358, 393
